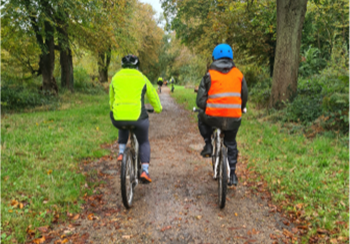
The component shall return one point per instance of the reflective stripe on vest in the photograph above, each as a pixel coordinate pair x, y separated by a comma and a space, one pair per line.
224, 95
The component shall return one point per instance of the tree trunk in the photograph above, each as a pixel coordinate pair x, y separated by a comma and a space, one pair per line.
271, 63
290, 19
104, 59
66, 58
47, 46
47, 61
66, 61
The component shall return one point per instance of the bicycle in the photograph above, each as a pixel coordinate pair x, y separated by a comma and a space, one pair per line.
221, 167
172, 87
159, 89
130, 168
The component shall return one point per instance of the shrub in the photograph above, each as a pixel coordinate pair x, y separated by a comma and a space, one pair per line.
83, 82
260, 93
336, 110
18, 97
323, 95
311, 62
304, 109
254, 74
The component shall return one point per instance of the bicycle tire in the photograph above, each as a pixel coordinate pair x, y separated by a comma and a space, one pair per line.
127, 177
222, 179
214, 155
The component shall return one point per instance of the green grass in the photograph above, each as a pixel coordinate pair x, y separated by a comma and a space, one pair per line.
186, 97
40, 155
313, 173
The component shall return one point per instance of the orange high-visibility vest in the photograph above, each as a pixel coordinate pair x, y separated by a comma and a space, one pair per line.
224, 96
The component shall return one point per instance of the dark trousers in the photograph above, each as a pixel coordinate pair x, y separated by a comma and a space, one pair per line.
140, 129
206, 132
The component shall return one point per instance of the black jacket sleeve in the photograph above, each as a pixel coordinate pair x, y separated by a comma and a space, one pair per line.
202, 95
244, 93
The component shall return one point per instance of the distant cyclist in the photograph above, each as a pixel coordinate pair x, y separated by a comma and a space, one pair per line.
160, 83
223, 95
172, 81
126, 100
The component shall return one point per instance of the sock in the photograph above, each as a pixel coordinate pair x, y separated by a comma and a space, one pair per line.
145, 167
122, 148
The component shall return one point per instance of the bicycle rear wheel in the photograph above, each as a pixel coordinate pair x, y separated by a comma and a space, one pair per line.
127, 178
222, 178
214, 155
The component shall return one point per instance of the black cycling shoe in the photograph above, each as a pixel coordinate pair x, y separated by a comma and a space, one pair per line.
233, 180
207, 150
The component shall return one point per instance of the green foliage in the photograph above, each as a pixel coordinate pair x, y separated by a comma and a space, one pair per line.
260, 93
323, 94
17, 95
259, 84
83, 82
311, 62
191, 73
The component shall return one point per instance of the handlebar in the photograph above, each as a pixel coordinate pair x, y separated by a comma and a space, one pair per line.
150, 110
197, 110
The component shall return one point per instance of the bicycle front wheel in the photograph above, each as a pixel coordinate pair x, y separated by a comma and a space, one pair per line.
222, 178
127, 178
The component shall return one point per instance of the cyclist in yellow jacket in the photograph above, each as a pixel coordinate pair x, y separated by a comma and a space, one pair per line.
127, 108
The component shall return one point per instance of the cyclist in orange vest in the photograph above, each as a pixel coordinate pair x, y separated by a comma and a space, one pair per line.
222, 94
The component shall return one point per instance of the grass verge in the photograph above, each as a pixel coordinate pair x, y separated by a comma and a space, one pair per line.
40, 155
307, 177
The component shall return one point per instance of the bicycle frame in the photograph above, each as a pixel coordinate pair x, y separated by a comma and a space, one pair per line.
218, 141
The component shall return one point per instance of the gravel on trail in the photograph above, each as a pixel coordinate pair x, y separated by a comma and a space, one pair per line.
180, 205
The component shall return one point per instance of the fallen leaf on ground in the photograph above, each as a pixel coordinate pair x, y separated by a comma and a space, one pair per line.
76, 217
90, 216
39, 240
30, 231
287, 233
14, 203
321, 231
165, 228
43, 229
126, 237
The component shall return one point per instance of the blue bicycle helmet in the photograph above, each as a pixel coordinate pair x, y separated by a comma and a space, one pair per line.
222, 51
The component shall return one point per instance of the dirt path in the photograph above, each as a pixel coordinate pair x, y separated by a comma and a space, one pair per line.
179, 206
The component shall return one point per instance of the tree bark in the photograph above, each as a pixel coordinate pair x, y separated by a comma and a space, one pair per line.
104, 59
47, 60
46, 43
290, 19
66, 58
66, 61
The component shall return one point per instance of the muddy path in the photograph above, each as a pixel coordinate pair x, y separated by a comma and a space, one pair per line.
180, 205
